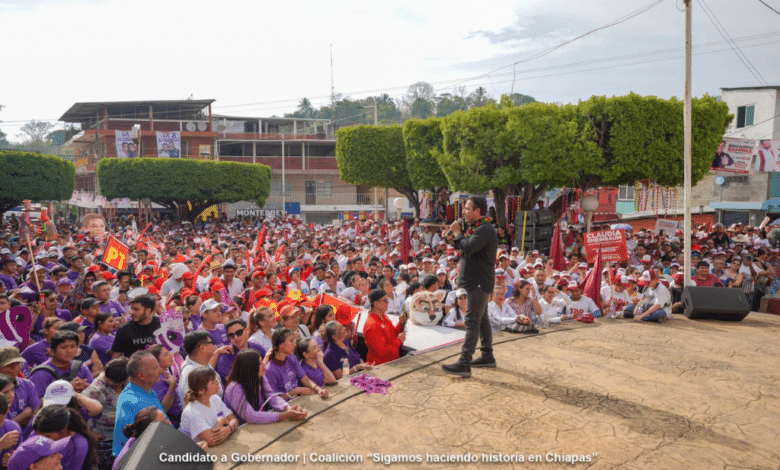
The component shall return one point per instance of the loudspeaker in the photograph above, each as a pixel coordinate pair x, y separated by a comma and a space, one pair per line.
536, 233
715, 303
543, 246
538, 217
158, 439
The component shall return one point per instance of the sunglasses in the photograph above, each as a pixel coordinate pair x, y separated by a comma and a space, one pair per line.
236, 334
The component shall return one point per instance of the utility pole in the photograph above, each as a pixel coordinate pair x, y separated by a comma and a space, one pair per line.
688, 140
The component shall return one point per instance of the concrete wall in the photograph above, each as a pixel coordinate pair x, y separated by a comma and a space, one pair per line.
767, 106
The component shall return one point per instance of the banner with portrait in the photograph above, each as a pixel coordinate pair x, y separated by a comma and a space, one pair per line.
125, 148
169, 144
733, 155
768, 155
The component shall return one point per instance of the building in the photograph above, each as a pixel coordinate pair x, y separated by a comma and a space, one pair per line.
301, 153
748, 198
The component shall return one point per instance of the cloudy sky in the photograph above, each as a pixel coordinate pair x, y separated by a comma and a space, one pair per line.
259, 58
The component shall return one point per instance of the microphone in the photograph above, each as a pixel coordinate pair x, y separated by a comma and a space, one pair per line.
448, 233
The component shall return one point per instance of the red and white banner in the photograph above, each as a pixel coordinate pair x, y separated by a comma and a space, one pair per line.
733, 155
611, 243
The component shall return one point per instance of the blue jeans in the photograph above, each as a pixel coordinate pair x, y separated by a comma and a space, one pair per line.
656, 316
477, 326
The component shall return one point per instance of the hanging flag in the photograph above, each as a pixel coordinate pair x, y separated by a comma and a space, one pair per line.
592, 285
406, 243
556, 250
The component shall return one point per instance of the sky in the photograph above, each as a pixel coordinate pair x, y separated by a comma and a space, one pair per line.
260, 58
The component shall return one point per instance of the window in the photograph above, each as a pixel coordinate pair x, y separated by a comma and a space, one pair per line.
325, 188
745, 116
276, 188
625, 193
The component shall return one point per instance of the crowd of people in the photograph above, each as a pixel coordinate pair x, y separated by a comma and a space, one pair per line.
88, 371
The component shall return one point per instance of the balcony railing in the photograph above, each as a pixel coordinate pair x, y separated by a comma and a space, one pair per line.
340, 199
290, 163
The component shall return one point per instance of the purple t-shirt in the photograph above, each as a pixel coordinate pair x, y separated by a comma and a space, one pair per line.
218, 334
90, 326
113, 307
10, 283
122, 452
236, 400
35, 353
194, 322
283, 377
8, 426
37, 329
334, 354
75, 453
31, 286
42, 378
225, 361
314, 373
102, 345
161, 388
73, 275
25, 395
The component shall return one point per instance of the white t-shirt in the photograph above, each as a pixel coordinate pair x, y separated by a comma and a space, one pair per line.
582, 306
197, 418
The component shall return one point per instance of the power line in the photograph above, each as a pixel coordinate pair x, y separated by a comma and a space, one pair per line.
766, 5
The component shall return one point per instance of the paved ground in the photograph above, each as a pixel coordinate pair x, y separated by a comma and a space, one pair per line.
684, 394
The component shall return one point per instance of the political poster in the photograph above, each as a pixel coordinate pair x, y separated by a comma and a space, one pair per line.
768, 153
125, 148
611, 243
733, 155
116, 254
669, 227
169, 144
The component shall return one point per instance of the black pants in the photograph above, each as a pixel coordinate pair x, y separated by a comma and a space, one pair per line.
477, 326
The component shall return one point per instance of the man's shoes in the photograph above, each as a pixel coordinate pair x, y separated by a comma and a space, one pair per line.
457, 369
484, 362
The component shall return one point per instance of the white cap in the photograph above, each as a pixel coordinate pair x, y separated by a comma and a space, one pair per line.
441, 271
209, 305
647, 259
460, 292
58, 392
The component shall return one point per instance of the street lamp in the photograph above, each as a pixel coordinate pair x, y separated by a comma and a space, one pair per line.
590, 202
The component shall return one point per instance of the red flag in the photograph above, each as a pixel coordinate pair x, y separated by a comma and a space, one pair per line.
556, 250
279, 252
383, 230
260, 239
406, 244
592, 287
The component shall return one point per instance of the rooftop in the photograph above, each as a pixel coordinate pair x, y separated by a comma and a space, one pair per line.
86, 113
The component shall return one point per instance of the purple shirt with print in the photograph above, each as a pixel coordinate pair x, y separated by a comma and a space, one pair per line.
284, 376
113, 307
42, 378
218, 334
225, 361
25, 395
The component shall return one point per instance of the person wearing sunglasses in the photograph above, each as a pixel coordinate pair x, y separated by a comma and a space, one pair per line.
238, 335
200, 348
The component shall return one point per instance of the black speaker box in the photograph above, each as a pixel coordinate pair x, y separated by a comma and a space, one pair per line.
542, 246
540, 217
715, 303
535, 234
159, 438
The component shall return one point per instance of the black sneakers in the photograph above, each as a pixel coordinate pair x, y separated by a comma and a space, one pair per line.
457, 369
484, 362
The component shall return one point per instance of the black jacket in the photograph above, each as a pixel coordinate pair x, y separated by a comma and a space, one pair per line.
478, 263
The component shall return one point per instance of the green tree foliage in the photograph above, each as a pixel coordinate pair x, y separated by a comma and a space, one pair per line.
27, 175
642, 137
375, 156
173, 182
423, 144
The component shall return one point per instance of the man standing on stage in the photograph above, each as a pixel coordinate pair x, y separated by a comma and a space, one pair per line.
477, 275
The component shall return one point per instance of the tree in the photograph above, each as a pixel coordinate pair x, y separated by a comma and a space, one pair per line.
4, 144
35, 131
480, 97
423, 143
642, 138
420, 100
305, 109
375, 155
519, 99
27, 175
475, 155
447, 104
180, 183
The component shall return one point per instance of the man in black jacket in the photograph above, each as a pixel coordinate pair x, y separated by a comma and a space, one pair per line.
477, 275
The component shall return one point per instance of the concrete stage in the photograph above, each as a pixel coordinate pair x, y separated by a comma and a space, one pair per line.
612, 394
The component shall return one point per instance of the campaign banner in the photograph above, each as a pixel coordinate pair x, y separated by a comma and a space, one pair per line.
125, 148
669, 227
116, 254
768, 153
169, 144
611, 243
733, 155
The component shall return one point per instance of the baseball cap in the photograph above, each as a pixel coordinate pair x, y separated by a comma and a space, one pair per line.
10, 355
573, 285
217, 286
73, 326
646, 278
89, 302
188, 275
34, 449
647, 259
344, 314
209, 305
460, 292
441, 271
58, 392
